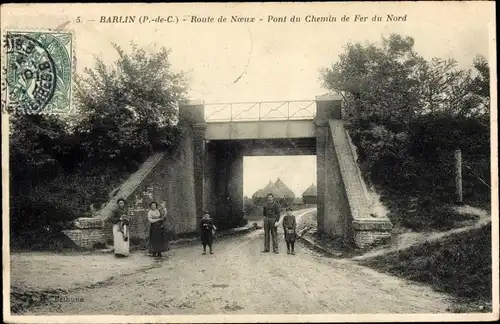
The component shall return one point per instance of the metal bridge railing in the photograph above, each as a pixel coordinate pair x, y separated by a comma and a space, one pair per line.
264, 110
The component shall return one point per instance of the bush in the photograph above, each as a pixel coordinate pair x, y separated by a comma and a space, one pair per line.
419, 163
249, 206
60, 199
441, 218
35, 215
420, 159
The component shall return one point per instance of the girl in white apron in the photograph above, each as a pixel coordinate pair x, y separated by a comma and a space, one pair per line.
121, 222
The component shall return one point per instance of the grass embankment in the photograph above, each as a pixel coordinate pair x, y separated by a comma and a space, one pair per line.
459, 265
424, 213
39, 214
309, 221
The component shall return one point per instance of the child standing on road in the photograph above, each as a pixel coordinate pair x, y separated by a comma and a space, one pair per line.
289, 227
207, 232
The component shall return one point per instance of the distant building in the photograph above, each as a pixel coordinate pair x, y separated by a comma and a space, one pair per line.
270, 188
257, 196
309, 196
297, 201
287, 194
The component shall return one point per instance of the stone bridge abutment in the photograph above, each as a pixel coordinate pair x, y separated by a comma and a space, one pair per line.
343, 207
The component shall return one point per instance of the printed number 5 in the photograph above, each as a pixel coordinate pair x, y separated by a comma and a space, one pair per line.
78, 20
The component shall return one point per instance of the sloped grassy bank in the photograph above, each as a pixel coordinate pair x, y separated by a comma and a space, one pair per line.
459, 265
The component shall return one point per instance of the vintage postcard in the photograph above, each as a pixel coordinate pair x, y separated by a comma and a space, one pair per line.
249, 162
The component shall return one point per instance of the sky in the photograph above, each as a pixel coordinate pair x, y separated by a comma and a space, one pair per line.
298, 172
282, 62
276, 61
263, 61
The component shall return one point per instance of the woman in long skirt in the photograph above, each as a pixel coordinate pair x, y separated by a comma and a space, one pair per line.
121, 222
157, 237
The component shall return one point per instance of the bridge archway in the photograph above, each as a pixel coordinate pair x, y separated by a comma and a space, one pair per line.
224, 170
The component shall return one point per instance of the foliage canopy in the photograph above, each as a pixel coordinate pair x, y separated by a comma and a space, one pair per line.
125, 111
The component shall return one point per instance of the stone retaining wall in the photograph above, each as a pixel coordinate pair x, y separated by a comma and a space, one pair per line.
86, 232
367, 229
370, 232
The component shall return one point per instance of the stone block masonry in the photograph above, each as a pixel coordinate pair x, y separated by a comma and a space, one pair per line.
86, 238
369, 232
365, 239
349, 171
86, 232
363, 227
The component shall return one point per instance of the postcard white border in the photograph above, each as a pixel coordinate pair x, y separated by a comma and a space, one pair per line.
270, 318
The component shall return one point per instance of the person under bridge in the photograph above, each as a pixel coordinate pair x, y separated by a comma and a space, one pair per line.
271, 213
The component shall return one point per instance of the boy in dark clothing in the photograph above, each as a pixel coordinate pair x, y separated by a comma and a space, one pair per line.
289, 227
207, 231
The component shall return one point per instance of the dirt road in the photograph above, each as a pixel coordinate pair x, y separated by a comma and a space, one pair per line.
240, 279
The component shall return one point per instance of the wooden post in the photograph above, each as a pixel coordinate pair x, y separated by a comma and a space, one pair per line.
458, 176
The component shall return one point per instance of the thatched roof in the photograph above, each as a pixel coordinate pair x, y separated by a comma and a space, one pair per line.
257, 194
270, 188
312, 191
284, 190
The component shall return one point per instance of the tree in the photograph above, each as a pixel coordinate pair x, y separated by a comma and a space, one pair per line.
449, 91
391, 83
377, 82
480, 85
37, 144
390, 92
128, 109
58, 166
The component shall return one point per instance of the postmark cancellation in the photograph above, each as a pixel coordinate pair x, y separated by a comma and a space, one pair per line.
37, 72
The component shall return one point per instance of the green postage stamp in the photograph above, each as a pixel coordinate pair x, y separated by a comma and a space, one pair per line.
38, 72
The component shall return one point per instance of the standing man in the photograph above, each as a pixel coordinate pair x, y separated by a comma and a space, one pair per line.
271, 218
